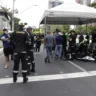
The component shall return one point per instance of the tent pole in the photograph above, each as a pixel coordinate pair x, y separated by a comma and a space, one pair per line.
39, 28
86, 28
45, 26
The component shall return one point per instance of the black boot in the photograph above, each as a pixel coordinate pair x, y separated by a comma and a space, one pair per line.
15, 77
28, 72
48, 60
33, 67
12, 57
25, 79
8, 58
33, 70
45, 60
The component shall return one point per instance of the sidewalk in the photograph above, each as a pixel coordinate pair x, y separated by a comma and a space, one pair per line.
1, 51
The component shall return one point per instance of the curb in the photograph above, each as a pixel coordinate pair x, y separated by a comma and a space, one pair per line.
1, 51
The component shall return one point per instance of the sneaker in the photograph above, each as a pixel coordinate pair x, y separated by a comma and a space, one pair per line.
35, 53
12, 58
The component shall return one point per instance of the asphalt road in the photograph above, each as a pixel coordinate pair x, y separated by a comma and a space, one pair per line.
59, 78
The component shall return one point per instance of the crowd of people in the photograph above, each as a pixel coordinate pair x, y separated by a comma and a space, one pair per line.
64, 45
20, 45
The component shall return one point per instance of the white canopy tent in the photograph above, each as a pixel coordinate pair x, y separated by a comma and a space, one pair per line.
69, 13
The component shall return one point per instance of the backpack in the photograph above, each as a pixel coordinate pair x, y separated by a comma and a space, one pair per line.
28, 42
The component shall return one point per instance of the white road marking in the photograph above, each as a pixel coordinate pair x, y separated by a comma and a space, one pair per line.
50, 77
7, 76
82, 69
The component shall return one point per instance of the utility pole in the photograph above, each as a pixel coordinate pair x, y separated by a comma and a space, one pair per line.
13, 16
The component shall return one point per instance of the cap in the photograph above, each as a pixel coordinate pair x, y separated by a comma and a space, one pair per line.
5, 29
60, 33
29, 27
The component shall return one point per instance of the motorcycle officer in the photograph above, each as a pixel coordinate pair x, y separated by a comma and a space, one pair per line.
20, 38
30, 51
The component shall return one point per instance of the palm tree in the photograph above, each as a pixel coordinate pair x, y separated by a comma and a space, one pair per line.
8, 15
6, 12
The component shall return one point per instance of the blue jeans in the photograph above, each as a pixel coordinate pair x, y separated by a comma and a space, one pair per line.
48, 50
58, 51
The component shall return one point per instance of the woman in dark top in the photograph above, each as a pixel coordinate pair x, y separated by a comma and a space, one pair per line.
7, 47
38, 44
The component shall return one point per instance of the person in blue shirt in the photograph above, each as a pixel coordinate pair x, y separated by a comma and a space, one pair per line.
58, 47
49, 43
7, 47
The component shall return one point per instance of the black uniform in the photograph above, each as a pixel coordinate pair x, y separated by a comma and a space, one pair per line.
64, 53
80, 47
87, 38
94, 44
72, 45
30, 53
20, 38
81, 38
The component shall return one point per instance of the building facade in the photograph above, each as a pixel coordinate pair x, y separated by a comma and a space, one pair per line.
84, 2
54, 3
4, 20
4, 23
79, 1
87, 2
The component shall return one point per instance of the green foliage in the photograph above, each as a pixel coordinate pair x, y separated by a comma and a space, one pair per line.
62, 28
93, 5
1, 32
66, 28
92, 28
16, 22
82, 29
0, 46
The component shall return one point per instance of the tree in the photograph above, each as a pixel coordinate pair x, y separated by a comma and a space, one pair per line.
16, 22
62, 28
82, 29
6, 12
66, 28
93, 5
